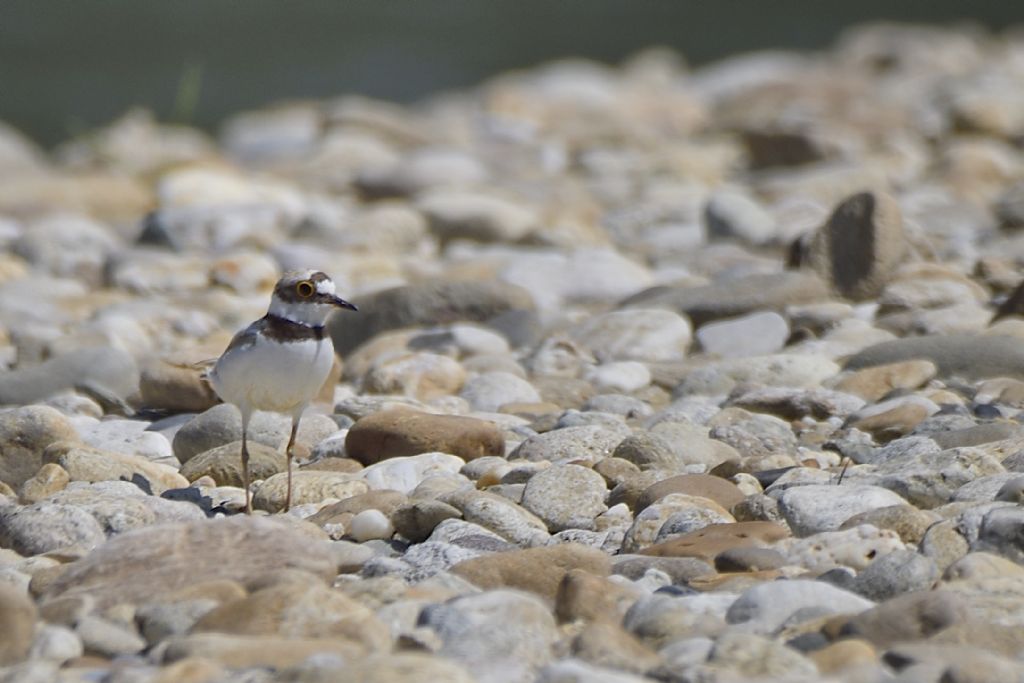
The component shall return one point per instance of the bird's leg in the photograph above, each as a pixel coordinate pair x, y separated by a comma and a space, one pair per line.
288, 454
245, 463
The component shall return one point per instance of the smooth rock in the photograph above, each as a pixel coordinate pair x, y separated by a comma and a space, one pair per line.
566, 497
235, 651
860, 246
1000, 533
390, 667
754, 656
926, 478
765, 607
160, 620
50, 479
107, 370
732, 214
500, 636
906, 520
176, 385
426, 303
855, 548
577, 275
722, 491
83, 463
130, 437
308, 486
45, 527
636, 334
405, 474
55, 643
814, 508
222, 425
422, 375
733, 297
108, 639
750, 335
143, 565
662, 618
896, 573
622, 376
370, 524
676, 514
397, 433
491, 390
418, 519
536, 570
467, 214
585, 596
586, 443
911, 616
500, 515
708, 542
24, 434
223, 464
961, 355
872, 383
17, 625
298, 610
778, 370
120, 506
578, 671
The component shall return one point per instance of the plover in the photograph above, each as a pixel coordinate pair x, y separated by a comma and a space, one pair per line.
281, 361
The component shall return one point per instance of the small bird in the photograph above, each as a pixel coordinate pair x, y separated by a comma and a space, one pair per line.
281, 361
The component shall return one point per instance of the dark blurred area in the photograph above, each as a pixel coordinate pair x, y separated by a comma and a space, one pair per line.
70, 66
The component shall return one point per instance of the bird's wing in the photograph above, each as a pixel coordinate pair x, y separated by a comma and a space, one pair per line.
245, 338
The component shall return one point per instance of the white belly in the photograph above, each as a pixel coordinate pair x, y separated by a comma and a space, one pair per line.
282, 377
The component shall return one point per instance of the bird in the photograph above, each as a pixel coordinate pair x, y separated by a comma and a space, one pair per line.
279, 362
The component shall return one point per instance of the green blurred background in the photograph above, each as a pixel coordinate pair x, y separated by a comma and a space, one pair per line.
66, 66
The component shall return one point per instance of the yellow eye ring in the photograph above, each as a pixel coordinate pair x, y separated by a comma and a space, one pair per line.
305, 289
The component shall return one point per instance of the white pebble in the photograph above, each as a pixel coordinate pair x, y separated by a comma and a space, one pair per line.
369, 525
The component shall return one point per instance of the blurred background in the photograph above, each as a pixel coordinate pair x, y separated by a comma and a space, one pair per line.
66, 67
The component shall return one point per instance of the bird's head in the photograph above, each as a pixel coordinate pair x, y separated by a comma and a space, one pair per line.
306, 297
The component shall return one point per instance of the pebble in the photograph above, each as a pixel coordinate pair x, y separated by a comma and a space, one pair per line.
222, 425
405, 474
591, 443
566, 497
107, 370
755, 334
17, 625
622, 376
157, 561
24, 434
370, 524
513, 649
391, 434
489, 391
813, 508
45, 527
896, 573
856, 548
535, 570
648, 335
860, 246
765, 607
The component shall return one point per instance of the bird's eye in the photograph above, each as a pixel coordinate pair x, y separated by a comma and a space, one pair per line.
305, 289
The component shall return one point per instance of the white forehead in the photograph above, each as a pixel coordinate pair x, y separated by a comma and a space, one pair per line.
325, 286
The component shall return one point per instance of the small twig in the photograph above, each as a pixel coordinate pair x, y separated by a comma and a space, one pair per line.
845, 462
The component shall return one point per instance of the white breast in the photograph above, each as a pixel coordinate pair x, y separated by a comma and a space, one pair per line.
278, 376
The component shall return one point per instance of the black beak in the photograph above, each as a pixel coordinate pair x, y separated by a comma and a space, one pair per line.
341, 303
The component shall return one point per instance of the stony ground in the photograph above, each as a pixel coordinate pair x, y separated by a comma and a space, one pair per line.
659, 374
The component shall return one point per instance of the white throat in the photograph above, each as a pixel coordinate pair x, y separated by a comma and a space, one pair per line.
302, 312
